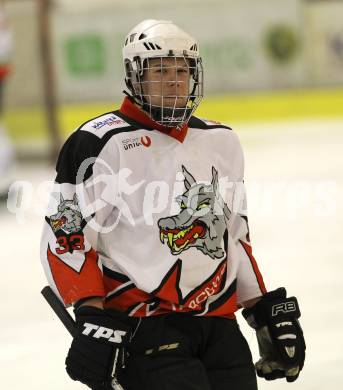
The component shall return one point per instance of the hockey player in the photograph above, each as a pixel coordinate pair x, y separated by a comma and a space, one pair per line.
6, 149
147, 237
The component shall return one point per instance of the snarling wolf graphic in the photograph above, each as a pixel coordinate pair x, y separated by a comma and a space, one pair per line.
202, 221
68, 217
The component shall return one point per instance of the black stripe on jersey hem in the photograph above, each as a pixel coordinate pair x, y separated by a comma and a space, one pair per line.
196, 122
137, 304
119, 292
223, 298
115, 275
258, 282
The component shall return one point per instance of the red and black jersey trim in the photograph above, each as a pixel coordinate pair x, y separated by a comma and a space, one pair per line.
153, 304
224, 297
169, 288
50, 254
119, 291
82, 145
134, 123
74, 285
135, 115
170, 284
115, 283
168, 294
259, 278
115, 275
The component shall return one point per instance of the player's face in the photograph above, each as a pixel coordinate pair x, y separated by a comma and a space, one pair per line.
166, 82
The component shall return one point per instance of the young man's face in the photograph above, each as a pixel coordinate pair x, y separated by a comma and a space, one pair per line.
165, 82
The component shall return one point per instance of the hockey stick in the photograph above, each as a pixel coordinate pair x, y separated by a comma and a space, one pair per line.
68, 321
59, 309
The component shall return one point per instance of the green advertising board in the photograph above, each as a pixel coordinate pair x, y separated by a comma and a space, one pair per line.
85, 55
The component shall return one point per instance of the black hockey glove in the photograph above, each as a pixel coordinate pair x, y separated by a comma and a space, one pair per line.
279, 335
97, 353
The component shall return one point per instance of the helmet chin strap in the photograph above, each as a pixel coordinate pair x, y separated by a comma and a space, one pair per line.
169, 117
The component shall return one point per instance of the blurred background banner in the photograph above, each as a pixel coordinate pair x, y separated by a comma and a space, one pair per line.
266, 55
246, 45
264, 60
324, 42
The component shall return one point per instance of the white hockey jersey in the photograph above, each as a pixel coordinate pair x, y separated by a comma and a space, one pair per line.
151, 219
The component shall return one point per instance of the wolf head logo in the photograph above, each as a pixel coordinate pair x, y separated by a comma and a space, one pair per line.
68, 217
202, 221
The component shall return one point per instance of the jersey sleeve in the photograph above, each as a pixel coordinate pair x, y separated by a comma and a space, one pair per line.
250, 282
75, 219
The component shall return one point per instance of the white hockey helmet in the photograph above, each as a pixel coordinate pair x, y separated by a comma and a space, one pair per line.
162, 39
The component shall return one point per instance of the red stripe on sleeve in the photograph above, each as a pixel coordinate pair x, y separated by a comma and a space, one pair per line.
73, 285
248, 251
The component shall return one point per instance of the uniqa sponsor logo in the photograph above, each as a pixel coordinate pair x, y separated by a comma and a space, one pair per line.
131, 143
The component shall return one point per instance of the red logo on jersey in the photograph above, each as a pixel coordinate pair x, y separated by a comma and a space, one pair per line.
146, 141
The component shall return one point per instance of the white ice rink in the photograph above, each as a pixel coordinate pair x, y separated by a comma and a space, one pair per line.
294, 174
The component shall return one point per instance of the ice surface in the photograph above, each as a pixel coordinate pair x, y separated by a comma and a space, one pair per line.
297, 240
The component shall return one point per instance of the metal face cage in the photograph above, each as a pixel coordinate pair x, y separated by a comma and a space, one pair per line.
168, 88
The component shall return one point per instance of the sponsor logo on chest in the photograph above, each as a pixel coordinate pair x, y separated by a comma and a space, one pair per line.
131, 143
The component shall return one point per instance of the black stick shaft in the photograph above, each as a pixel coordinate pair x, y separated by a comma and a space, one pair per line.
59, 309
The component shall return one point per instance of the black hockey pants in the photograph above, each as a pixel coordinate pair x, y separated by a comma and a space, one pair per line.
182, 352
